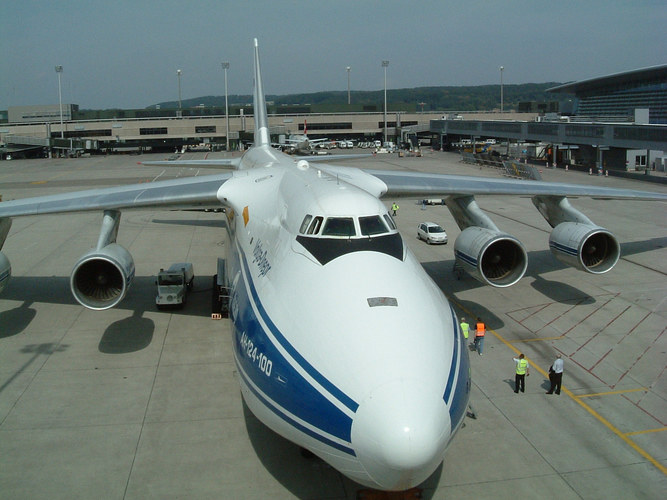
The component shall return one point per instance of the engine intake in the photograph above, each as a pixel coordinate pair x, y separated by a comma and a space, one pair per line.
586, 247
101, 278
491, 257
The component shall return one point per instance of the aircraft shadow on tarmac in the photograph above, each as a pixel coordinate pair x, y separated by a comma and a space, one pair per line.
14, 321
303, 474
56, 290
539, 262
126, 335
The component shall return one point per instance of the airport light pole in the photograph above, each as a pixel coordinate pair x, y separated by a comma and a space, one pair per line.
225, 66
348, 84
180, 110
384, 65
59, 70
501, 88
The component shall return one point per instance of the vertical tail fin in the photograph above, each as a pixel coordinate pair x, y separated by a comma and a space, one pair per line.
259, 104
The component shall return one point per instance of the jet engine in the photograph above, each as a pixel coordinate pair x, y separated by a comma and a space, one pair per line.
5, 271
588, 248
488, 255
491, 257
101, 278
575, 239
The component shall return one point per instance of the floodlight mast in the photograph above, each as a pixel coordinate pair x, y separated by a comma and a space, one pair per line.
180, 109
59, 70
225, 66
384, 65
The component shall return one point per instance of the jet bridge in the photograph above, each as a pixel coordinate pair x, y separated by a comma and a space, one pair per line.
20, 143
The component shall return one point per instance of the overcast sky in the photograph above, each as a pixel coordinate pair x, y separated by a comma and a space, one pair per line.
121, 53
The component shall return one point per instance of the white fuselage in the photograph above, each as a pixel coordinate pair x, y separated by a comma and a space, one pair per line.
326, 326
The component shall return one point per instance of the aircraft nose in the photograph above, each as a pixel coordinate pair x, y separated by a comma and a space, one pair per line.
400, 433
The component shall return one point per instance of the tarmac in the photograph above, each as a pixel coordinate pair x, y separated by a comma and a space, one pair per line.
136, 403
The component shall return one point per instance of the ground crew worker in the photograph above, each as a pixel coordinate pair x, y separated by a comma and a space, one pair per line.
394, 208
465, 328
522, 369
556, 375
480, 331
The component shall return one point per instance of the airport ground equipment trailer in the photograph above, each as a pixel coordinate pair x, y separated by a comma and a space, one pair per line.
174, 284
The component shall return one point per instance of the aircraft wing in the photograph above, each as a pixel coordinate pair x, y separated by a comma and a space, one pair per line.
416, 185
351, 156
188, 192
212, 163
234, 163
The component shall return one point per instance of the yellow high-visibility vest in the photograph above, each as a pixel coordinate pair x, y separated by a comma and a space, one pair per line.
521, 367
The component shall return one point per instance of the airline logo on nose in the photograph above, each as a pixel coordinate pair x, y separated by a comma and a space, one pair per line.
246, 217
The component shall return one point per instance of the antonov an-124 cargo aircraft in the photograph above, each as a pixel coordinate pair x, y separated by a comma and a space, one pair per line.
324, 293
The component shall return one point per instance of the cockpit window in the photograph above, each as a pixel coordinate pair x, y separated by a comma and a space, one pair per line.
328, 238
339, 226
315, 225
372, 225
304, 224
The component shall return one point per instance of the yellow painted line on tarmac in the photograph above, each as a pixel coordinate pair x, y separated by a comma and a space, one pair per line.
623, 391
61, 174
579, 401
647, 431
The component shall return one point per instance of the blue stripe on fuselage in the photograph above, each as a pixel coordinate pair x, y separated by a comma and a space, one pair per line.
455, 360
266, 402
284, 386
457, 396
302, 362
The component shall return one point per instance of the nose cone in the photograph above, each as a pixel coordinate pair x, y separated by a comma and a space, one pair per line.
400, 433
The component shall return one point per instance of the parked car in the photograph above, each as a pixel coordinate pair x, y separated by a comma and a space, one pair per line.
431, 233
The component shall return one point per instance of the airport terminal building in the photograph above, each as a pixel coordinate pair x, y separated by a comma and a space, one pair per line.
619, 123
615, 98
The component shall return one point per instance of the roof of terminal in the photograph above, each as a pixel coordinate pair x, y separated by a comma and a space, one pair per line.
653, 74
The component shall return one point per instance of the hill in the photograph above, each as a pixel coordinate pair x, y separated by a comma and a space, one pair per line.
469, 98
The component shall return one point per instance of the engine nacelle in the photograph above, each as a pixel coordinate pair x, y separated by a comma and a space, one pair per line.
491, 257
586, 247
101, 278
5, 271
